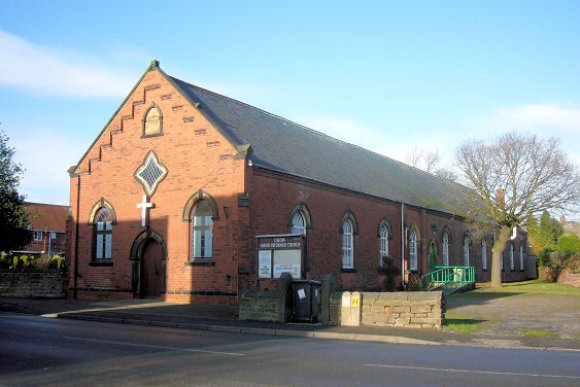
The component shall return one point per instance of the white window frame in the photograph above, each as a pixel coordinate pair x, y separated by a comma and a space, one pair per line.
522, 262
483, 254
445, 249
512, 263
412, 250
103, 234
298, 223
466, 250
38, 236
201, 233
347, 244
383, 243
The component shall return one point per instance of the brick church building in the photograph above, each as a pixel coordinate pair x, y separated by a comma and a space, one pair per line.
191, 196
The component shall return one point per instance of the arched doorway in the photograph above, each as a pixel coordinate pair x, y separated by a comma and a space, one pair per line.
151, 267
148, 256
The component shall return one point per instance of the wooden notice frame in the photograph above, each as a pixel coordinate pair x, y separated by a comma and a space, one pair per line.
280, 253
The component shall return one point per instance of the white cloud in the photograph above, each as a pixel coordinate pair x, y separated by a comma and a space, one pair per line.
546, 120
397, 146
47, 70
40, 152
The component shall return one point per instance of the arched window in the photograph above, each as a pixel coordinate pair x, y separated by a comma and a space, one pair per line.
445, 248
153, 122
466, 250
298, 223
347, 244
413, 249
522, 256
383, 242
103, 231
483, 254
512, 263
201, 231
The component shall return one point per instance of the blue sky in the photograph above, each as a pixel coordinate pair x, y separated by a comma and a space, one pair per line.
389, 76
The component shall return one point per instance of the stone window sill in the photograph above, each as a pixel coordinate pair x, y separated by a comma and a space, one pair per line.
200, 263
103, 262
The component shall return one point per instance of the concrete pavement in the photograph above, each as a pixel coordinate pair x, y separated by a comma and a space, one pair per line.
223, 318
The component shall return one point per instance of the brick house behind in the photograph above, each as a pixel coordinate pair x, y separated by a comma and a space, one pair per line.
170, 197
48, 225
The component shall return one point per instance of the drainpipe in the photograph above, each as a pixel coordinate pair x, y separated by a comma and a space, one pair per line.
77, 222
403, 245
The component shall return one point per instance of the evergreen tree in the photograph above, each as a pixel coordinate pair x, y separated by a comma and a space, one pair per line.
14, 230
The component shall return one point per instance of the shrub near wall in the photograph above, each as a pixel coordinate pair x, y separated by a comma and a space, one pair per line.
26, 276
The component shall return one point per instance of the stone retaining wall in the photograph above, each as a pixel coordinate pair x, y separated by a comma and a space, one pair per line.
392, 309
31, 284
264, 305
403, 309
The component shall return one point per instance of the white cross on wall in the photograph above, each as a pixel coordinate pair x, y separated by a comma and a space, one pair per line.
144, 206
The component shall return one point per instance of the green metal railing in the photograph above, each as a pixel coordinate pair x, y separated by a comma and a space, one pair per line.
451, 277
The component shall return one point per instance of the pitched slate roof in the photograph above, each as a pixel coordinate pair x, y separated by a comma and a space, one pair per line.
284, 146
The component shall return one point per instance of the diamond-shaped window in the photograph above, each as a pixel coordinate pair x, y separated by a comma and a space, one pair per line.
150, 173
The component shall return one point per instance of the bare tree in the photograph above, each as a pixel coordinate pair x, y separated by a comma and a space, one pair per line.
430, 162
513, 178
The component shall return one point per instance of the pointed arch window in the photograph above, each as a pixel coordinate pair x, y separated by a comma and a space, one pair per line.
298, 223
483, 254
512, 263
413, 249
103, 231
383, 241
466, 243
522, 256
445, 248
347, 244
201, 231
153, 122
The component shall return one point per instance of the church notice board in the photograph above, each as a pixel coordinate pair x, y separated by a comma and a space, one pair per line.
279, 254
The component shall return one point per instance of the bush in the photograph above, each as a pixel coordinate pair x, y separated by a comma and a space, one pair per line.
568, 244
390, 271
573, 263
30, 262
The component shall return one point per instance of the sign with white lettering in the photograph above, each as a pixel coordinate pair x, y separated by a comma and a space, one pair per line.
279, 254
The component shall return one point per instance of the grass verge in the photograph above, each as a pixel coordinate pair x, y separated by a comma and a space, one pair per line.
462, 324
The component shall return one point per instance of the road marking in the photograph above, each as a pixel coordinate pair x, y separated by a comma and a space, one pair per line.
452, 370
153, 346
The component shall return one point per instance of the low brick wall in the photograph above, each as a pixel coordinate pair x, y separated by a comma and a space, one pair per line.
567, 278
403, 309
31, 284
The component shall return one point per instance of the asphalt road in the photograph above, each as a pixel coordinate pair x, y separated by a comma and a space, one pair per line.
43, 351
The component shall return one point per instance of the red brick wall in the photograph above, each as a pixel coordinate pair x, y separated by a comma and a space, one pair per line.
274, 196
197, 157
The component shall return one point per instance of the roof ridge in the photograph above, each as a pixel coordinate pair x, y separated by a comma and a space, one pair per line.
318, 132
46, 204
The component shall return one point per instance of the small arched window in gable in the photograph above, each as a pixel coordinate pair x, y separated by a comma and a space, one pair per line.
153, 122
